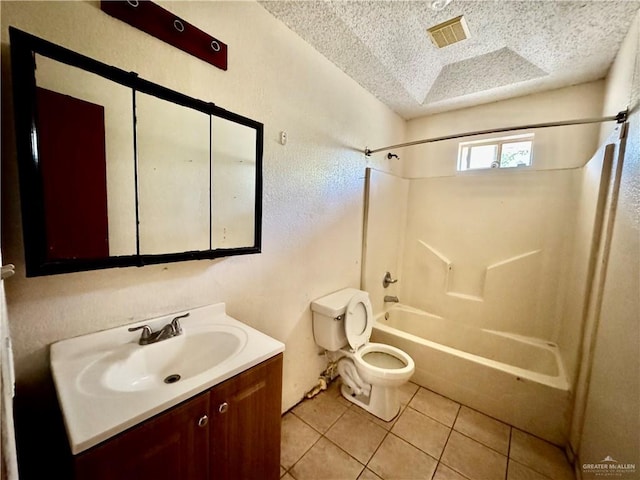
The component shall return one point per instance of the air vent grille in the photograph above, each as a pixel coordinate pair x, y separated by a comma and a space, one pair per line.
449, 32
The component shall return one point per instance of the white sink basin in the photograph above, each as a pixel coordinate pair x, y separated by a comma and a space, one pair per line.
106, 382
133, 367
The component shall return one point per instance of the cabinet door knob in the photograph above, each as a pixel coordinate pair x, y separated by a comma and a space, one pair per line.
223, 407
203, 421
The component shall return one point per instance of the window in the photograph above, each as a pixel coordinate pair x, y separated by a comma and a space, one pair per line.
505, 152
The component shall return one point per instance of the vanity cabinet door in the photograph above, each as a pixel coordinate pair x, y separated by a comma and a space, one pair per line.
172, 446
245, 431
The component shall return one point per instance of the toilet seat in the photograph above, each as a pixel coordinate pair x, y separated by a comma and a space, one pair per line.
358, 320
377, 362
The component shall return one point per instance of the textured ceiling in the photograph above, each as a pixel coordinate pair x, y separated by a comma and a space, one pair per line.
515, 48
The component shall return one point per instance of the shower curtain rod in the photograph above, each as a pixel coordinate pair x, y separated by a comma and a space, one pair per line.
621, 117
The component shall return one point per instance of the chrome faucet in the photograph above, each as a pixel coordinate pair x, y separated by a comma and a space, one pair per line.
170, 330
387, 280
389, 298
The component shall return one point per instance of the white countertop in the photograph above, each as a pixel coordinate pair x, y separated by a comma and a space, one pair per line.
93, 412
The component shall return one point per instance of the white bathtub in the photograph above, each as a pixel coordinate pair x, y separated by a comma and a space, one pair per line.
518, 380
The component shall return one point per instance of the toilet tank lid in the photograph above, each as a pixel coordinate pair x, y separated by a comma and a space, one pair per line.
334, 304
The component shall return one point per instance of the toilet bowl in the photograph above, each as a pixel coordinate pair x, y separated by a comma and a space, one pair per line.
383, 364
371, 372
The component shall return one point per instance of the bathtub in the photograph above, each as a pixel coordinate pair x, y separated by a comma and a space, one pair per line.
518, 380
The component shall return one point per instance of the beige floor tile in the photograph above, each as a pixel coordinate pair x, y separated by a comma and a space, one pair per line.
422, 432
320, 412
520, 472
397, 459
472, 459
334, 391
356, 435
282, 471
368, 475
334, 388
436, 406
407, 391
287, 477
540, 456
297, 438
445, 473
373, 418
486, 430
326, 461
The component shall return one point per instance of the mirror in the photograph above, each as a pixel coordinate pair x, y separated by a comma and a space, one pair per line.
233, 175
85, 139
173, 169
118, 171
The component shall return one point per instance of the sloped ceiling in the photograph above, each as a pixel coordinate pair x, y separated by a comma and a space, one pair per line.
515, 47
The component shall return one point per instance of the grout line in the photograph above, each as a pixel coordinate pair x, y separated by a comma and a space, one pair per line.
449, 436
484, 444
445, 446
388, 431
376, 450
386, 434
323, 435
484, 414
533, 470
347, 453
329, 427
288, 470
433, 418
506, 474
302, 456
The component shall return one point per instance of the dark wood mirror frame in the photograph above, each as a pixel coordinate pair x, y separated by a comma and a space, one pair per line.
24, 47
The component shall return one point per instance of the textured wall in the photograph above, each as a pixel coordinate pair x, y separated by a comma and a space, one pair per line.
313, 189
611, 422
563, 147
622, 77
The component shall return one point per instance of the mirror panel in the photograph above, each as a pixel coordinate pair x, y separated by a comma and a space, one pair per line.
118, 171
85, 146
233, 183
173, 176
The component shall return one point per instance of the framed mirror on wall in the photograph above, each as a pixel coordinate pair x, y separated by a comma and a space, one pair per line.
118, 171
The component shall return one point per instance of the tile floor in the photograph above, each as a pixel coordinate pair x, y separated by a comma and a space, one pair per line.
435, 438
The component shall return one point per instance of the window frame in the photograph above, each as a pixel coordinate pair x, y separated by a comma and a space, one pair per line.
498, 142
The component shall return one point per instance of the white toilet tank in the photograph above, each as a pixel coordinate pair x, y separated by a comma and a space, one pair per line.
328, 332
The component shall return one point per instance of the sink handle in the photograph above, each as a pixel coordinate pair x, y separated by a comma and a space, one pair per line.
175, 324
146, 331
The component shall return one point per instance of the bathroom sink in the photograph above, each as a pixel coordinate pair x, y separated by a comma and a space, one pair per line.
133, 367
106, 382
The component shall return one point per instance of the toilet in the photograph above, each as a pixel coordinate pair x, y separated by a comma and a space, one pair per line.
371, 372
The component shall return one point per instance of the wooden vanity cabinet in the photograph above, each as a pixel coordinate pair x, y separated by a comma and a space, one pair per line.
231, 432
167, 447
245, 433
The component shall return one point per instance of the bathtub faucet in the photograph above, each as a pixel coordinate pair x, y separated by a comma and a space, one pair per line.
387, 280
389, 298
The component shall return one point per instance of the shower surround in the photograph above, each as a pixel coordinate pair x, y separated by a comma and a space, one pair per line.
491, 283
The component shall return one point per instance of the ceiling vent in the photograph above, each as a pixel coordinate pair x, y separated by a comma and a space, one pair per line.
449, 32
